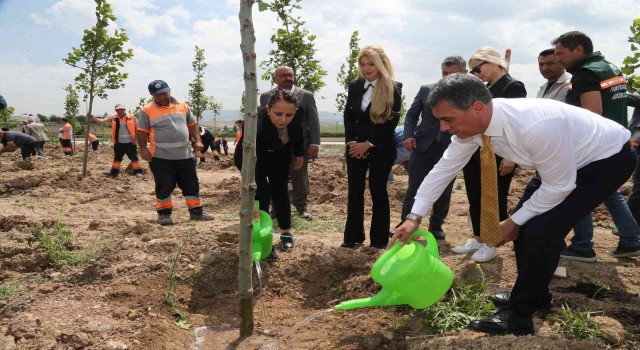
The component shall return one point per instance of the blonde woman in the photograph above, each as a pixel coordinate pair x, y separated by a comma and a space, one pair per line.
371, 114
487, 65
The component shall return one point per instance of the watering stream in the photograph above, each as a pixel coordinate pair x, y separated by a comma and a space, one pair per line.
306, 321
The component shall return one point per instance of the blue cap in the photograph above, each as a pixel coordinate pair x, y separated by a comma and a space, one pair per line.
158, 87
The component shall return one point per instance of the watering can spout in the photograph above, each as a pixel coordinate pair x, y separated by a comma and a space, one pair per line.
383, 298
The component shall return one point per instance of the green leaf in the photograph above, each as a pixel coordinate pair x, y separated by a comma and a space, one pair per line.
262, 6
184, 324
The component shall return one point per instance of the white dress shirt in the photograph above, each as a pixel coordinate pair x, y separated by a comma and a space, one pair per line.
366, 97
554, 138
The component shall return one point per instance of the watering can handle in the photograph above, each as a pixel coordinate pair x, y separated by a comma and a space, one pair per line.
431, 244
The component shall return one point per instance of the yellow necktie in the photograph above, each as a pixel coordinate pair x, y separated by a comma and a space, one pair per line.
490, 215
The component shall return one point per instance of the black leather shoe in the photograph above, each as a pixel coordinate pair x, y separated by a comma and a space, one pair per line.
350, 245
286, 240
500, 299
272, 256
437, 232
378, 246
504, 321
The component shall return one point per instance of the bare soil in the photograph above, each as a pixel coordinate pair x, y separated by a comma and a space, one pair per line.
116, 301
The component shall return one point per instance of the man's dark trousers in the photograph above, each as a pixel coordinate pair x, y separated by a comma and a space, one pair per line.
541, 239
420, 164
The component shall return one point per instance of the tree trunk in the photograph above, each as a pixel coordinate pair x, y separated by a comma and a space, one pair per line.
86, 135
247, 46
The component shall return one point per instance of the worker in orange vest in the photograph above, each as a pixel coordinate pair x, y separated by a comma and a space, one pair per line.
64, 135
123, 137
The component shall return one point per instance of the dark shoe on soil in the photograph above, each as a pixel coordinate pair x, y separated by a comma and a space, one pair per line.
304, 214
500, 299
350, 245
571, 253
200, 216
624, 251
504, 321
164, 219
437, 232
286, 241
378, 246
111, 175
272, 256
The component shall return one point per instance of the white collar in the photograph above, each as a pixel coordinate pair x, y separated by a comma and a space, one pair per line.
366, 82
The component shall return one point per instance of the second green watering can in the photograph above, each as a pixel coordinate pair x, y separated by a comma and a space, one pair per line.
262, 237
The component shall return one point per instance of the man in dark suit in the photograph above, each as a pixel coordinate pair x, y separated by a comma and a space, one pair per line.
426, 144
284, 79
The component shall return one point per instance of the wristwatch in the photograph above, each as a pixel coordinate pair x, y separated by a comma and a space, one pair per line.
415, 217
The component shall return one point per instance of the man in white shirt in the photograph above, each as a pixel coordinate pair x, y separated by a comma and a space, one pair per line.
580, 156
558, 79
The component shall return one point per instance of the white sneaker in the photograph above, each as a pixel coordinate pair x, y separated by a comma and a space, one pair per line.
469, 246
484, 253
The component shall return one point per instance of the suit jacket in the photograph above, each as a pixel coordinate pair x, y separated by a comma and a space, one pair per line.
310, 122
358, 125
428, 130
37, 130
268, 140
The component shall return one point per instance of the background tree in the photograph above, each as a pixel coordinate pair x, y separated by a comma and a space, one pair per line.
348, 71
141, 103
295, 47
631, 63
7, 120
215, 107
198, 102
248, 190
42, 118
72, 109
99, 58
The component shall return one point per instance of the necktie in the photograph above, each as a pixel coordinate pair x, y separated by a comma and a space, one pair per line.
489, 216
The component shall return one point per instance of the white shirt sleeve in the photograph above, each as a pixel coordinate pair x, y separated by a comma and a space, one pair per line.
453, 160
551, 149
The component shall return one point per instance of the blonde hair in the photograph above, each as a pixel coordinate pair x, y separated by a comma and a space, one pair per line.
382, 98
490, 54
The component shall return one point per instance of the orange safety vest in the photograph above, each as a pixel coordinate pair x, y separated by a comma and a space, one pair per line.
131, 126
65, 132
155, 111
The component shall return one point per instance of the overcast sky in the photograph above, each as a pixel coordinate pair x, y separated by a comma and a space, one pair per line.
417, 34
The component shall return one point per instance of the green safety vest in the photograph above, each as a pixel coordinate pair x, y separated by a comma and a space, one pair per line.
613, 87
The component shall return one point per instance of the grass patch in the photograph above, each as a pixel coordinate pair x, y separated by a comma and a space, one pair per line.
7, 290
57, 241
467, 302
578, 323
171, 296
319, 224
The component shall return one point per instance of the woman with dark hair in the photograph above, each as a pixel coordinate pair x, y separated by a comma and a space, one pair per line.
279, 134
487, 65
371, 114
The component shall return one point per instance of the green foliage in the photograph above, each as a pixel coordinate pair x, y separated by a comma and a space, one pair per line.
578, 324
348, 71
198, 102
468, 301
7, 290
42, 118
295, 47
57, 241
100, 56
181, 320
403, 108
171, 297
631, 63
71, 103
7, 120
141, 103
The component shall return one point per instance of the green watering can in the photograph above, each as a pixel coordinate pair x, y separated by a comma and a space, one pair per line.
410, 274
262, 236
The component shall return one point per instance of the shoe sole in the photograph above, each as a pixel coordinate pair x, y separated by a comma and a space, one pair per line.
578, 258
625, 255
464, 252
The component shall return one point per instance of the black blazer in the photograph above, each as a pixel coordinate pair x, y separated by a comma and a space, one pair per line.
267, 139
359, 127
428, 130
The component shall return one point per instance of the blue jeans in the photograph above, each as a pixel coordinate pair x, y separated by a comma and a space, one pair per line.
628, 229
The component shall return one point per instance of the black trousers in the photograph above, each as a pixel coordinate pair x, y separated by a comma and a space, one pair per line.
27, 150
378, 163
541, 239
272, 179
471, 173
420, 164
167, 173
67, 148
95, 144
131, 150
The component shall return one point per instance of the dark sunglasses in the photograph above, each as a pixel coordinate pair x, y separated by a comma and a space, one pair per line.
476, 69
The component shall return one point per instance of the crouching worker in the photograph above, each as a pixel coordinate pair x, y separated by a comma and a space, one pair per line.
12, 139
279, 134
207, 142
123, 137
95, 143
166, 124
